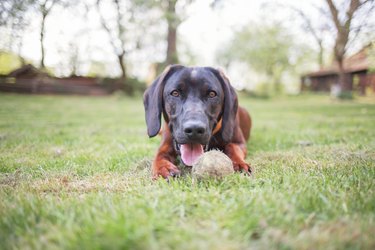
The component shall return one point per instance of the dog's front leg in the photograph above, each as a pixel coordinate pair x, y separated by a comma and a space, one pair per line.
165, 159
237, 153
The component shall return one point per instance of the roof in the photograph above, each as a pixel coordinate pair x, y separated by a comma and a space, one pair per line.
355, 63
27, 70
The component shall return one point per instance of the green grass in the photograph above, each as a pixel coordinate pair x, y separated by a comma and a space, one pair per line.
74, 174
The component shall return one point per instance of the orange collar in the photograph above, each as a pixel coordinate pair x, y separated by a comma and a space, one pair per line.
217, 127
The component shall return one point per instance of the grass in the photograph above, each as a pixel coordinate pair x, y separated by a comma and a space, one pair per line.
74, 174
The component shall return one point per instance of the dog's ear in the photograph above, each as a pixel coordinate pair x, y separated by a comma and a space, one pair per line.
230, 106
153, 100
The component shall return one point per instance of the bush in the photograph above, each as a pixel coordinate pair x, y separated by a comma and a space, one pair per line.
346, 95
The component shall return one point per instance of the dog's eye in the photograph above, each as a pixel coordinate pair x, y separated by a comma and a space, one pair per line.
175, 93
212, 94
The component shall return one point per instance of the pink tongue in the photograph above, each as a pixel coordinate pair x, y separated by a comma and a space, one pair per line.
190, 153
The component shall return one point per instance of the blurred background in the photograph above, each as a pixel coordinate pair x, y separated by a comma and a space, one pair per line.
267, 47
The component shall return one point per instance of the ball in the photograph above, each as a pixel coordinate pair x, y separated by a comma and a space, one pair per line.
212, 164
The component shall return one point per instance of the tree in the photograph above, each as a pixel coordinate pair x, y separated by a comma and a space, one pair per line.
116, 33
267, 49
173, 12
344, 27
169, 10
15, 11
316, 30
12, 14
44, 7
173, 22
344, 22
73, 58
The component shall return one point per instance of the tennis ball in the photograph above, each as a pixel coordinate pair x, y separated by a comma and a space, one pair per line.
212, 164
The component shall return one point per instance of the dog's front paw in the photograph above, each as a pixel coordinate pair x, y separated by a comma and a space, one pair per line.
164, 168
243, 167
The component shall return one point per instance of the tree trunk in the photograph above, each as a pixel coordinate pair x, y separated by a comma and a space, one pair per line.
345, 82
343, 29
123, 83
42, 31
121, 62
321, 54
339, 51
341, 76
172, 57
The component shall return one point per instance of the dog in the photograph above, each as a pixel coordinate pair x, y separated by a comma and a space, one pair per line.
200, 111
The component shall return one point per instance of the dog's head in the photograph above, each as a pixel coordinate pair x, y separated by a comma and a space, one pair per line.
195, 102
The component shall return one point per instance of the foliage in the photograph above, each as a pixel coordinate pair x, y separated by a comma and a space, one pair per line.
268, 49
344, 23
97, 69
345, 95
13, 15
8, 62
138, 86
12, 12
74, 172
173, 13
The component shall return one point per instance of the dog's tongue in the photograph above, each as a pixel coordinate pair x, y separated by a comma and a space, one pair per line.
190, 153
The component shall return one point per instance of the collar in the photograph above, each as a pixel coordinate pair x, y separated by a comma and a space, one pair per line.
218, 126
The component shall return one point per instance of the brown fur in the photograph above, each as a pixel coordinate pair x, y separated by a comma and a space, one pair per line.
233, 144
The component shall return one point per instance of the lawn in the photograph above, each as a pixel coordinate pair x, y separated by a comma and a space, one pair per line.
74, 174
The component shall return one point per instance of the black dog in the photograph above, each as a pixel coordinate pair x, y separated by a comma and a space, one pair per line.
201, 112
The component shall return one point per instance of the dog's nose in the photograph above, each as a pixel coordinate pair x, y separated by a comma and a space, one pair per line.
194, 129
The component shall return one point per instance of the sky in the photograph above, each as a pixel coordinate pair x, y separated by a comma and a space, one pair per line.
202, 34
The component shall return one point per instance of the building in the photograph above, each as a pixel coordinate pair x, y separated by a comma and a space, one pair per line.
30, 80
359, 71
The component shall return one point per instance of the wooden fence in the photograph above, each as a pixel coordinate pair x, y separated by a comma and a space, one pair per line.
47, 85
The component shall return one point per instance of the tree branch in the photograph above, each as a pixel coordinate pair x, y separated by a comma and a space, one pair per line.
354, 5
107, 29
120, 28
334, 14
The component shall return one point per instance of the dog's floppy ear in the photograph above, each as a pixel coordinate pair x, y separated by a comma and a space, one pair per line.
153, 100
230, 107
